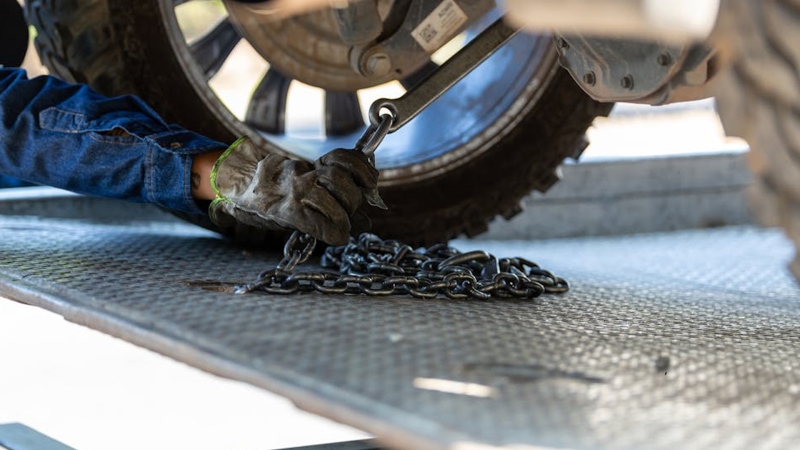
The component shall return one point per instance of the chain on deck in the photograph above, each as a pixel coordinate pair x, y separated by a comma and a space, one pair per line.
682, 340
369, 265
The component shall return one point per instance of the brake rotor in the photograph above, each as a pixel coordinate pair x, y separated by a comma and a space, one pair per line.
307, 47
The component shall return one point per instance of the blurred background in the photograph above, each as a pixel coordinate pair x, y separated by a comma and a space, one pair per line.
94, 392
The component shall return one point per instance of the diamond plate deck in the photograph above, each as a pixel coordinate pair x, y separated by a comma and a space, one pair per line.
681, 340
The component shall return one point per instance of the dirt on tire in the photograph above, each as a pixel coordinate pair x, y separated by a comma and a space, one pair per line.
759, 100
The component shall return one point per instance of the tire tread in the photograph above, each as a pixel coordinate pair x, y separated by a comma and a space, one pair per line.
760, 101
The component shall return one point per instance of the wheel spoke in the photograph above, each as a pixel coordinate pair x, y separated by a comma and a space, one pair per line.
342, 113
267, 108
212, 50
414, 79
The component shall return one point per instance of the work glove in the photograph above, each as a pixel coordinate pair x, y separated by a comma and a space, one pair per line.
271, 192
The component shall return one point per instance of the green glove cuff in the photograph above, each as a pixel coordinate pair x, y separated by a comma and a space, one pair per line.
220, 160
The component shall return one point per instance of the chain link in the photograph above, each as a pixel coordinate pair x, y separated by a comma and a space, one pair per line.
375, 134
371, 266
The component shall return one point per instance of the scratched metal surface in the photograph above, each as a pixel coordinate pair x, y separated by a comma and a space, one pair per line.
681, 340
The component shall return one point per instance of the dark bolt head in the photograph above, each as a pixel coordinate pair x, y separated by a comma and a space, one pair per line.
664, 59
627, 82
590, 78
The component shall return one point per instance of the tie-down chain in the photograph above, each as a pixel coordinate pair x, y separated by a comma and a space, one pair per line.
369, 265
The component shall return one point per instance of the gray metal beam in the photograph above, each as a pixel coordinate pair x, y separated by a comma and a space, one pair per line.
646, 195
16, 436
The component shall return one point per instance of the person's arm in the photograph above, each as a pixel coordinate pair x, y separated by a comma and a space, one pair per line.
70, 137
201, 175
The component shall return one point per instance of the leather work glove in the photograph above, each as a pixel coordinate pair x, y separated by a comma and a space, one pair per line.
268, 191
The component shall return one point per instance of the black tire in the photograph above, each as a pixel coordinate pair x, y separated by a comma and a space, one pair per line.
13, 34
759, 100
120, 49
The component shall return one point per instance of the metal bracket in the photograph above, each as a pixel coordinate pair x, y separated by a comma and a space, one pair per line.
427, 26
615, 70
448, 74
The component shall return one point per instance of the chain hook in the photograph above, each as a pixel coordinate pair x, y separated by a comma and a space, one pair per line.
375, 134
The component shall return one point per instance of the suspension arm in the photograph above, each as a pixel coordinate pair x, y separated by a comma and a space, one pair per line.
407, 107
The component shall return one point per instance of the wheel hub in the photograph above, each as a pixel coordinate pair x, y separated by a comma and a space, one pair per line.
307, 48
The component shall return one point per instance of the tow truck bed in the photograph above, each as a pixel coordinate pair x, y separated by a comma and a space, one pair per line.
676, 340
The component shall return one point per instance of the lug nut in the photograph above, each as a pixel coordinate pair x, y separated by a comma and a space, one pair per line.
664, 59
378, 65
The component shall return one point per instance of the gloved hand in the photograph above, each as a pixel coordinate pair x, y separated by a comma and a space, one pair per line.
269, 191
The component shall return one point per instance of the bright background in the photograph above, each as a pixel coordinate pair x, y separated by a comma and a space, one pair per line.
94, 392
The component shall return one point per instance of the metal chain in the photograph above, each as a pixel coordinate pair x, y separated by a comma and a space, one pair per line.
375, 134
371, 266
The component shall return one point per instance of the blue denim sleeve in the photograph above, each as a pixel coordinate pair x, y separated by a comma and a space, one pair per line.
59, 134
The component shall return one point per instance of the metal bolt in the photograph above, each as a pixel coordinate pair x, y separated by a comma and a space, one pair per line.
627, 82
664, 59
590, 78
378, 65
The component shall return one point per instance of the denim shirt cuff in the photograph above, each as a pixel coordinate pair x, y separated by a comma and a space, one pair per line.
168, 177
181, 141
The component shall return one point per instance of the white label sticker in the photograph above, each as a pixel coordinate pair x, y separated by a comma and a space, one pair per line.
439, 26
